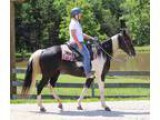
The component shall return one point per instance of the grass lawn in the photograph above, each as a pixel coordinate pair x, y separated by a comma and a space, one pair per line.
109, 79
108, 91
143, 48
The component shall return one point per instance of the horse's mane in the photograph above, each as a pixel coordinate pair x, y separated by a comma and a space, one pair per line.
107, 46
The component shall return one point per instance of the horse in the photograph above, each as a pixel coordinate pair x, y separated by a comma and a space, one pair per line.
49, 63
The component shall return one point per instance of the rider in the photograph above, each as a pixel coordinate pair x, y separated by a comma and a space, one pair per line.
77, 39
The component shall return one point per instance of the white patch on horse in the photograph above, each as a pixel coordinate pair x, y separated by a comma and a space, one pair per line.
36, 65
115, 44
84, 91
98, 64
39, 98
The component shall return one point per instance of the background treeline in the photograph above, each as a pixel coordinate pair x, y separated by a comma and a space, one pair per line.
43, 23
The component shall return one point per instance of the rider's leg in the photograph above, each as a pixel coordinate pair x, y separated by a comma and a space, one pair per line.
86, 61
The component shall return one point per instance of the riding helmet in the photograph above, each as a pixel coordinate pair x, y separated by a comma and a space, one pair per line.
75, 11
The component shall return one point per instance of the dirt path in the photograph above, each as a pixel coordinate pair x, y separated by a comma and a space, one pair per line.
121, 110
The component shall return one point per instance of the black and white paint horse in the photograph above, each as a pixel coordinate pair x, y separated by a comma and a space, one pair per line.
48, 62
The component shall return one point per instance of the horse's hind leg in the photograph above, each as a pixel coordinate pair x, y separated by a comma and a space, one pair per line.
52, 83
40, 87
85, 88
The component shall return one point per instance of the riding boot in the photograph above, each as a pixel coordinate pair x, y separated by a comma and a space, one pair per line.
91, 75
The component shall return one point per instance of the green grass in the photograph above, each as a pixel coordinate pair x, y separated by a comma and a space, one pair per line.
26, 101
109, 79
108, 91
142, 49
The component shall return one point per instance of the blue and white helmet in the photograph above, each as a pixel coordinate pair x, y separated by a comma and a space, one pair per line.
75, 11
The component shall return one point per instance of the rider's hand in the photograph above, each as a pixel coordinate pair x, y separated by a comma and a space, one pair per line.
95, 38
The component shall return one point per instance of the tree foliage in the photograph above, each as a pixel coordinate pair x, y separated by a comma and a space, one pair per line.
41, 23
137, 16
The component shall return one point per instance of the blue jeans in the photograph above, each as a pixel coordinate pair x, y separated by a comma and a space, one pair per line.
86, 58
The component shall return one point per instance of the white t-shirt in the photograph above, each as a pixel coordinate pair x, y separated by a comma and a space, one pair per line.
75, 25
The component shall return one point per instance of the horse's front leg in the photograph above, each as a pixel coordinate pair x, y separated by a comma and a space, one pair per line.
84, 91
101, 85
81, 98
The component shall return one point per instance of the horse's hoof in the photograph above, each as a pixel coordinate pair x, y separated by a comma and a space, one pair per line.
79, 107
107, 109
42, 109
60, 106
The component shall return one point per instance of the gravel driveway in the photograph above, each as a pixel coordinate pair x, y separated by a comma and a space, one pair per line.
121, 110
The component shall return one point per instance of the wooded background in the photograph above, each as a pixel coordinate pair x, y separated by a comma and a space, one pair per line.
43, 23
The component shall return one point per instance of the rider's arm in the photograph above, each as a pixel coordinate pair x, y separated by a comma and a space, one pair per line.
73, 33
87, 37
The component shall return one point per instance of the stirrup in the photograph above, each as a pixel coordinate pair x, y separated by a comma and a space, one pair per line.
91, 75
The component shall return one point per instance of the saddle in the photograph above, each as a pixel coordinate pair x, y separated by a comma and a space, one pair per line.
69, 53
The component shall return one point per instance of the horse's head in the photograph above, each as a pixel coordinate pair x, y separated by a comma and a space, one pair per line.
125, 42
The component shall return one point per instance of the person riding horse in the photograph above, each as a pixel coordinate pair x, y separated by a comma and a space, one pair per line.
49, 63
77, 40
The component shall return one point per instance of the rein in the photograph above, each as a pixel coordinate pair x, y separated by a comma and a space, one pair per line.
115, 59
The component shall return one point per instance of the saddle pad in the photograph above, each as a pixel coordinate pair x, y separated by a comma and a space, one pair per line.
67, 54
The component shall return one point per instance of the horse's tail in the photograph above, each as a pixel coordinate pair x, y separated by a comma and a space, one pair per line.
33, 69
28, 78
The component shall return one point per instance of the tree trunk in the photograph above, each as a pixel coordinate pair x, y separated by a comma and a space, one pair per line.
13, 90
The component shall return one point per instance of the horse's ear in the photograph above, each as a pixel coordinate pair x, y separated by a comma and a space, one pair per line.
122, 26
122, 23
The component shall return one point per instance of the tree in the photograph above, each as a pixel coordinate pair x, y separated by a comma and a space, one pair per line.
107, 14
37, 24
41, 23
136, 14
